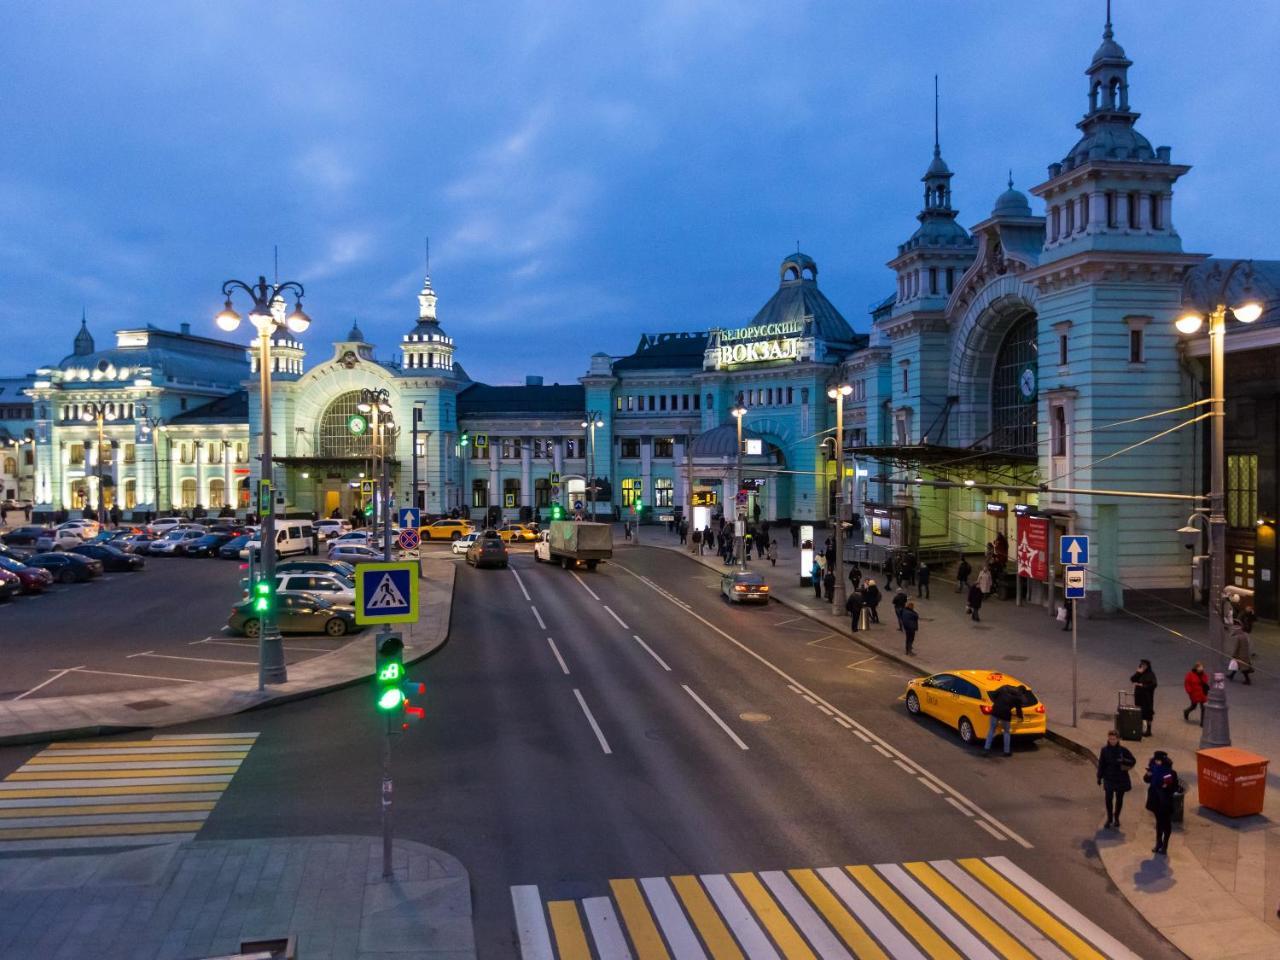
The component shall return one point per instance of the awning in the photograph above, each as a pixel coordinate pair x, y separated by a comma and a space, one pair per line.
957, 462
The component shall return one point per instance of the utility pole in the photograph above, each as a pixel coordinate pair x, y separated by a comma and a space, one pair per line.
838, 393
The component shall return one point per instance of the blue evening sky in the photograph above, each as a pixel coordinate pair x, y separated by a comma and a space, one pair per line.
586, 171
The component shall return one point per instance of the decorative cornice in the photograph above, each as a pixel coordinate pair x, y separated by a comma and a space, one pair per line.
1103, 266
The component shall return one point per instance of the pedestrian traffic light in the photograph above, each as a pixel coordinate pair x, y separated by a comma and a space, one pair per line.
557, 512
464, 439
389, 672
262, 597
410, 713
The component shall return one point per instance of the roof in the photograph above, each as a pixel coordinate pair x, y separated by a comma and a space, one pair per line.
233, 408
665, 351
480, 399
722, 441
801, 300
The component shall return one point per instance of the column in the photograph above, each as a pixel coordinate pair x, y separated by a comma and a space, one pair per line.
526, 472
1097, 212
175, 485
557, 455
63, 498
646, 469
1144, 211
228, 477
495, 483
680, 469
199, 450
117, 492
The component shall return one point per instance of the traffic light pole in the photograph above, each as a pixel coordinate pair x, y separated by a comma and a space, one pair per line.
387, 788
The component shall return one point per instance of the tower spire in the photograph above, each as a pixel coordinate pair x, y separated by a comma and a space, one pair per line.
1106, 31
937, 149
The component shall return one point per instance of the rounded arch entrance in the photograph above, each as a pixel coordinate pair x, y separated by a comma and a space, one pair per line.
764, 477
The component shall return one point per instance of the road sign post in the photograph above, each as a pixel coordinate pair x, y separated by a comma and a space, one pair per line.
1073, 549
1074, 591
410, 517
409, 540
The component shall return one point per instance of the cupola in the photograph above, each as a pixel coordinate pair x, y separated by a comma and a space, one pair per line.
426, 346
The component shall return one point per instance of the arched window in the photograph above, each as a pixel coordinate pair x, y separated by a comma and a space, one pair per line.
336, 438
217, 492
187, 497
1013, 390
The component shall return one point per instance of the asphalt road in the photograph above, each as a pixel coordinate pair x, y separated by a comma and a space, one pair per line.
131, 631
561, 751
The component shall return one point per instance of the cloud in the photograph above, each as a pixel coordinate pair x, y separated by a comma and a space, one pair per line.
344, 249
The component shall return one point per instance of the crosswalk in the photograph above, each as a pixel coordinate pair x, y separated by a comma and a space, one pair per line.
984, 909
118, 793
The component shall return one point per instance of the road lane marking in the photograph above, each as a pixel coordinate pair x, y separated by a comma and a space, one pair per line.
958, 805
1011, 894
870, 915
795, 690
605, 931
928, 783
841, 921
22, 792
935, 913
531, 925
616, 617
902, 766
662, 663
810, 699
170, 656
683, 941
796, 684
712, 714
559, 659
570, 939
519, 581
584, 584
644, 933
843, 722
739, 918
907, 918
136, 676
882, 751
859, 734
783, 623
714, 933
815, 931
604, 744
998, 910
774, 920
538, 616
160, 743
961, 906
241, 643
829, 713
58, 674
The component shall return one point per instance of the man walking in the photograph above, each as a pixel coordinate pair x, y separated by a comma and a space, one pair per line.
900, 602
962, 575
871, 597
815, 575
853, 604
696, 545
910, 621
922, 581
1005, 702
1162, 784
795, 535
974, 600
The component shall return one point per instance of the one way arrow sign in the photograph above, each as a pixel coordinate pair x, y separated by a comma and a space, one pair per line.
1073, 550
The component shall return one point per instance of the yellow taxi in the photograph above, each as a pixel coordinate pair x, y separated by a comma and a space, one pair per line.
517, 533
962, 700
446, 529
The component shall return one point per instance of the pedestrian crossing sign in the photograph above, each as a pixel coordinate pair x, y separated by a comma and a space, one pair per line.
386, 592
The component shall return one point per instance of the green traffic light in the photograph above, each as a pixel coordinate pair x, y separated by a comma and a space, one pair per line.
390, 699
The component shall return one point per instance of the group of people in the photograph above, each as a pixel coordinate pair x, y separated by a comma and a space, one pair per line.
986, 582
726, 545
1163, 787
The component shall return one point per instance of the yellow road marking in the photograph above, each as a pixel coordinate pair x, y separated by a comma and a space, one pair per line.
907, 918
571, 942
786, 936
1059, 933
639, 921
111, 791
969, 912
851, 932
103, 830
92, 808
120, 774
714, 933
192, 742
98, 757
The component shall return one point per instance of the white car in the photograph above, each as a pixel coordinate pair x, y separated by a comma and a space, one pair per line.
84, 529
354, 553
59, 539
462, 543
330, 586
331, 529
164, 525
168, 544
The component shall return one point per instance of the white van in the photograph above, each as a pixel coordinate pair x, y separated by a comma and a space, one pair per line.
292, 537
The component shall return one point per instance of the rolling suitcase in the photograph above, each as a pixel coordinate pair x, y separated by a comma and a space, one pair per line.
1128, 717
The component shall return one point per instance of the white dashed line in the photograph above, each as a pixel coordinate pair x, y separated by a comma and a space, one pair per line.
881, 750
584, 585
662, 663
616, 617
928, 783
515, 574
712, 714
604, 744
538, 616
959, 806
559, 659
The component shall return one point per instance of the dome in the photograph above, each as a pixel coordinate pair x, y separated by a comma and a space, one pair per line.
84, 340
722, 442
797, 264
1110, 141
937, 167
355, 335
1012, 203
938, 232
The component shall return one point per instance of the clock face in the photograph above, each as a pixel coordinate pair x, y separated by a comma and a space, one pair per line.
1027, 383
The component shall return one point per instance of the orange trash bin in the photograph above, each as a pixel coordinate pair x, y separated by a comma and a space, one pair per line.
1231, 781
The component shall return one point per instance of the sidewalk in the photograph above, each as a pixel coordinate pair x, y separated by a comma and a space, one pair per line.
203, 899
48, 718
1223, 874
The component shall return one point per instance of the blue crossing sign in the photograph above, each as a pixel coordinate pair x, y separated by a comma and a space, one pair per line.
410, 517
386, 592
1073, 550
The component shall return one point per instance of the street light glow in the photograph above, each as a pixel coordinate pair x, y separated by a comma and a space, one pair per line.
228, 319
298, 321
843, 391
1189, 322
1248, 312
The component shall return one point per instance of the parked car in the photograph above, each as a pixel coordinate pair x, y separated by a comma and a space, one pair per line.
296, 613
744, 586
18, 555
330, 528
205, 546
328, 586
33, 579
447, 529
316, 565
59, 539
10, 585
25, 536
354, 553
962, 700
111, 558
85, 528
168, 544
463, 544
231, 549
487, 552
67, 567
139, 543
292, 536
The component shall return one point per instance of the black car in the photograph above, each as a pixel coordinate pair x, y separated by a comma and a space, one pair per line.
487, 552
25, 536
111, 558
206, 546
231, 549
67, 567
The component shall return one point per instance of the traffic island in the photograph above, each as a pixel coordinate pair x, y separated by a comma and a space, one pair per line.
39, 719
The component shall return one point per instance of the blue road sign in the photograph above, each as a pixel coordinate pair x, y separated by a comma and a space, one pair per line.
577, 504
1075, 583
410, 517
386, 592
1073, 550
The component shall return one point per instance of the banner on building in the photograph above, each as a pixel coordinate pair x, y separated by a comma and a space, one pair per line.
1033, 547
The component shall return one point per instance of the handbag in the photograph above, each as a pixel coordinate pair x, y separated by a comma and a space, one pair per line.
1062, 614
1233, 666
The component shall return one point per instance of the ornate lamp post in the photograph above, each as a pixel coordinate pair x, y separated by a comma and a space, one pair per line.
271, 665
151, 428
97, 410
739, 411
1216, 731
377, 404
593, 420
838, 393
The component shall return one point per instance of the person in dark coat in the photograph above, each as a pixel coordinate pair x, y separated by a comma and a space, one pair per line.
815, 577
974, 600
1196, 683
828, 584
871, 596
855, 577
853, 603
1005, 702
1241, 653
1114, 763
795, 535
1162, 784
963, 572
907, 569
910, 621
922, 581
1144, 692
899, 604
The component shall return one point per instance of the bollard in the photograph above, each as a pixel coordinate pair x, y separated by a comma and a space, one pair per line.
1216, 731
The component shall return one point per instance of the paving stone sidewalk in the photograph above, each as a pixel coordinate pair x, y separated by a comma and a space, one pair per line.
38, 719
1221, 870
203, 899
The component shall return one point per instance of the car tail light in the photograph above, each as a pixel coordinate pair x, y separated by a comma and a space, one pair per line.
1039, 708
986, 708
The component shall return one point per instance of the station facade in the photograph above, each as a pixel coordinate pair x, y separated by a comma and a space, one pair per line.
1019, 366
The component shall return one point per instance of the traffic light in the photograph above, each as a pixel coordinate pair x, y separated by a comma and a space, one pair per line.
557, 512
410, 713
262, 597
389, 673
639, 505
465, 439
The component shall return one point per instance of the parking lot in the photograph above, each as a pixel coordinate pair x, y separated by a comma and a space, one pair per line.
130, 631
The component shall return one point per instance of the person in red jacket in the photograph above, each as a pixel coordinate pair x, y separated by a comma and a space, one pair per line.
1196, 683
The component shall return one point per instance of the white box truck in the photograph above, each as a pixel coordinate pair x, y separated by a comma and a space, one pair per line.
571, 543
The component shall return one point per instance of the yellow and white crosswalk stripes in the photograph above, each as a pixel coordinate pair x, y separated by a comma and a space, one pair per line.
969, 909
118, 793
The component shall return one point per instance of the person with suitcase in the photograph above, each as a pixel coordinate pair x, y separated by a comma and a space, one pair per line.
1144, 692
1114, 763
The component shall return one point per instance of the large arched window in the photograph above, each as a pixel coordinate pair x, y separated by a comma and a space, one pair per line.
336, 438
1013, 392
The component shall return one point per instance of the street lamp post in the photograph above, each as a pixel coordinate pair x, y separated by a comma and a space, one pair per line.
151, 427
271, 665
739, 412
593, 420
1249, 309
838, 393
377, 403
97, 410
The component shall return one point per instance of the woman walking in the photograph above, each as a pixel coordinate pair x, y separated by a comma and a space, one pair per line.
1144, 692
1196, 683
772, 552
871, 596
974, 600
1162, 784
985, 581
1241, 656
1114, 763
815, 574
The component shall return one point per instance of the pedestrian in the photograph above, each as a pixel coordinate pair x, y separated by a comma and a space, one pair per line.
762, 544
115, 515
1144, 692
1005, 702
1247, 619
922, 581
907, 569
871, 597
626, 529
900, 602
684, 533
1242, 655
854, 604
974, 601
985, 581
1068, 613
795, 535
962, 575
772, 552
1196, 683
815, 575
829, 584
1162, 783
706, 539
855, 577
696, 546
910, 623
1114, 763
746, 546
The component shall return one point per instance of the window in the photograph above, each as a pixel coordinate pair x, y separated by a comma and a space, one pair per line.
479, 493
632, 490
1135, 345
1055, 223
1084, 212
902, 428
335, 436
951, 279
1071, 217
791, 395
130, 453
662, 402
1058, 430
653, 403
130, 493
542, 492
188, 493
1134, 207
630, 446
1242, 490
572, 448
1156, 222
664, 447
1013, 413
217, 493
675, 401
242, 453
697, 401
618, 404
1062, 350
905, 381
510, 448
684, 401
479, 451
76, 454
511, 492
933, 279
182, 404
631, 404
663, 492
